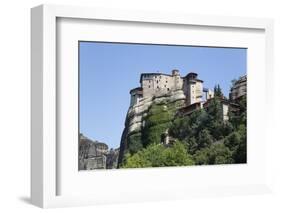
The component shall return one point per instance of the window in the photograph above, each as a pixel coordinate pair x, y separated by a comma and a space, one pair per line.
165, 86
168, 89
157, 87
166, 81
149, 86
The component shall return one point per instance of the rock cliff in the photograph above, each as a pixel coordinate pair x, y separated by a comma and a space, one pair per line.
148, 121
95, 155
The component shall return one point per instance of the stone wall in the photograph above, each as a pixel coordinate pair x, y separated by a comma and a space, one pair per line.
155, 83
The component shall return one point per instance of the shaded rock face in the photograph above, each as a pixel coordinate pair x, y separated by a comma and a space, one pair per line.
112, 159
95, 155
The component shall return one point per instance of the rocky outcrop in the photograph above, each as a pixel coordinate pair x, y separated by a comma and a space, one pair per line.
112, 158
137, 115
95, 155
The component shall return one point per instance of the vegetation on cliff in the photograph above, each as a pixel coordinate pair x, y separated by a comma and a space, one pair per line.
157, 121
201, 138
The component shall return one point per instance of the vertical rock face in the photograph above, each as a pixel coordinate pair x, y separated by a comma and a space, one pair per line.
95, 155
139, 121
112, 158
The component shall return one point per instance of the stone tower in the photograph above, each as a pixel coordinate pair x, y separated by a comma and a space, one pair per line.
193, 88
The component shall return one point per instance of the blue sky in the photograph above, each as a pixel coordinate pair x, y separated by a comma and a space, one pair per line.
109, 70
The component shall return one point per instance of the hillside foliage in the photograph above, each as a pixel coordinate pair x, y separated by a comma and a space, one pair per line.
202, 138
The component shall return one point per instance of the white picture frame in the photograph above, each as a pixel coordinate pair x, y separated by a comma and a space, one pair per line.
45, 169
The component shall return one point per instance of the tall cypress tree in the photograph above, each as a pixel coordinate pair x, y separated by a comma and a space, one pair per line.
217, 91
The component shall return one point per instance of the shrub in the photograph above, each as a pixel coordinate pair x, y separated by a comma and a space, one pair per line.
157, 155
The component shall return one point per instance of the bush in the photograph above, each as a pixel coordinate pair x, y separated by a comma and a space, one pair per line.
157, 155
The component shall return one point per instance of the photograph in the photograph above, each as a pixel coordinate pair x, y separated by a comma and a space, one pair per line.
160, 105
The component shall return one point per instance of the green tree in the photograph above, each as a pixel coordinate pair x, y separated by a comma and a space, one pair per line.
218, 91
215, 109
217, 153
233, 140
135, 161
204, 139
176, 155
184, 128
216, 123
180, 128
240, 155
157, 155
201, 157
192, 145
240, 152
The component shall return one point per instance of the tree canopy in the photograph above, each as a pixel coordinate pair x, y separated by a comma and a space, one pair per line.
157, 155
